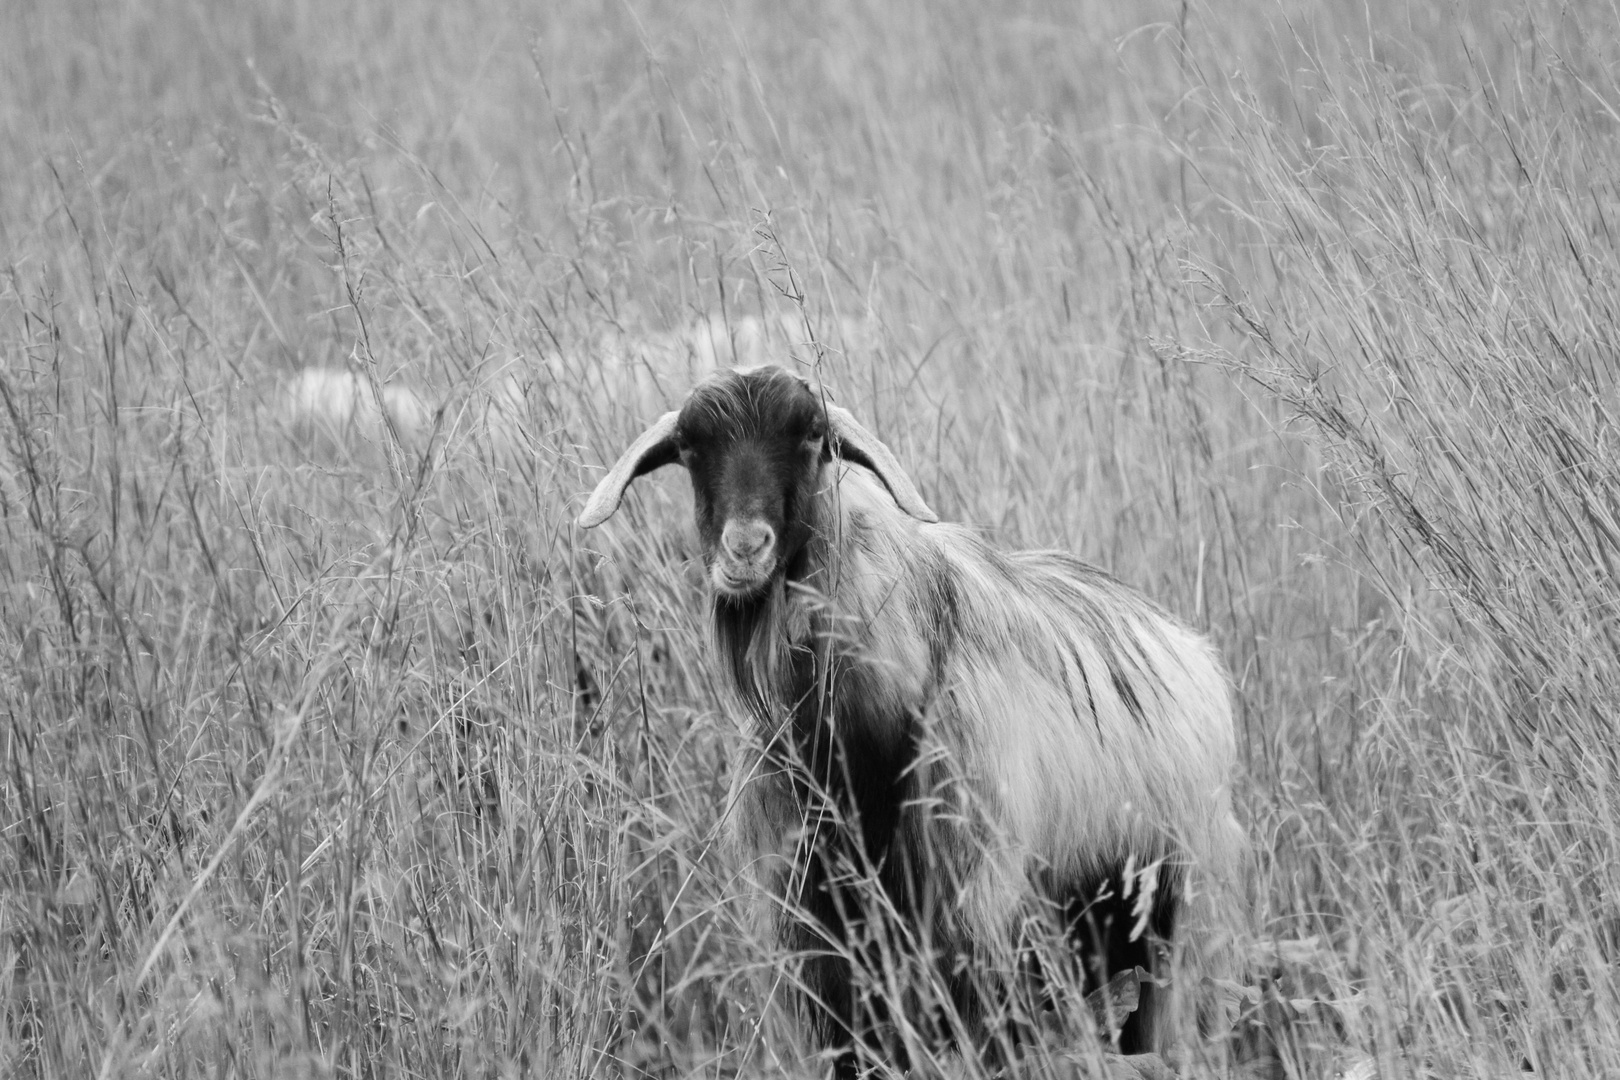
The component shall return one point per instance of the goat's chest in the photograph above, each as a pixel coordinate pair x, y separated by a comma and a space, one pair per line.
853, 745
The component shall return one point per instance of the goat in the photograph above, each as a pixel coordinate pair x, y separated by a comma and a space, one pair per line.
946, 740
340, 403
640, 373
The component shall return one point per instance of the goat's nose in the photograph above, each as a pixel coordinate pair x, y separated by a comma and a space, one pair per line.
746, 539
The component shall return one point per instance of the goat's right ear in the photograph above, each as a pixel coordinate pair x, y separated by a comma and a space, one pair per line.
653, 449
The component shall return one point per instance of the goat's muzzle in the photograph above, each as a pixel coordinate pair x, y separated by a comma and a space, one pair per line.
745, 559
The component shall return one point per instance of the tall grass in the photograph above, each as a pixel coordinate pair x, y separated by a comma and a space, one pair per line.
1437, 309
333, 755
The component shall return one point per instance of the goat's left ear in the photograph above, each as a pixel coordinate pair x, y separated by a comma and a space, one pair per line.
855, 443
653, 449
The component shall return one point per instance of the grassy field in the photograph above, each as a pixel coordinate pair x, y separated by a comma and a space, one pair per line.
343, 753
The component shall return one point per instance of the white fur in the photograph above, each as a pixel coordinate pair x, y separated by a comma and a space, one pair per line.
345, 403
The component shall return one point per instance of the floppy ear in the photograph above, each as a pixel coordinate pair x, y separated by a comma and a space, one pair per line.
653, 449
856, 444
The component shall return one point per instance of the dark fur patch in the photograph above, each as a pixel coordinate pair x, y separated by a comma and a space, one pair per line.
1098, 915
1126, 692
1091, 701
853, 783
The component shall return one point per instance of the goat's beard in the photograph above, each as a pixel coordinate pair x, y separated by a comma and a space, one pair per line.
751, 638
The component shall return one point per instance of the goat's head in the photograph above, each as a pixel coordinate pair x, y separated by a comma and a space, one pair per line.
755, 442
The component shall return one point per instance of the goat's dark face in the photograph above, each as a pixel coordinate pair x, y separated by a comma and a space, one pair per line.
755, 443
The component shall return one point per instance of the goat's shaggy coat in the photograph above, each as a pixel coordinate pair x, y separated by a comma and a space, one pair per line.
946, 741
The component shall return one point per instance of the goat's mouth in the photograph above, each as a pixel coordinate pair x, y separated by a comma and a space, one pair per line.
739, 581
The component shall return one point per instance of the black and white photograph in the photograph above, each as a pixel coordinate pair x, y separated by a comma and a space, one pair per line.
720, 539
